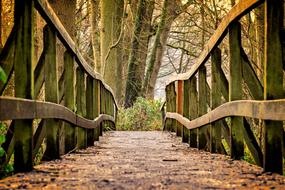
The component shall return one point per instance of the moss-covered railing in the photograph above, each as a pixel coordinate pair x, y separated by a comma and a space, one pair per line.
73, 107
214, 117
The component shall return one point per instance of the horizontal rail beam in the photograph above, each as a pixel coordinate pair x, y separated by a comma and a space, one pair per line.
18, 108
266, 110
235, 13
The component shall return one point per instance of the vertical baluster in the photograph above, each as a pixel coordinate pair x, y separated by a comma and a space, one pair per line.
216, 143
51, 93
96, 104
69, 100
186, 110
168, 122
102, 106
81, 106
24, 83
235, 89
273, 84
193, 110
90, 108
202, 131
172, 105
179, 106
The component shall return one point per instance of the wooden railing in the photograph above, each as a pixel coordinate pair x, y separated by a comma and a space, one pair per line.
229, 124
71, 116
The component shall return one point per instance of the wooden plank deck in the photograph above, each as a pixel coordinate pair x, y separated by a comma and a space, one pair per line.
143, 160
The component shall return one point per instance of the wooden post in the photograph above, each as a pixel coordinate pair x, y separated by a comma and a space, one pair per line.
186, 110
51, 93
96, 105
24, 83
69, 100
193, 110
168, 107
235, 90
90, 108
102, 106
81, 107
179, 106
172, 105
273, 84
215, 138
202, 94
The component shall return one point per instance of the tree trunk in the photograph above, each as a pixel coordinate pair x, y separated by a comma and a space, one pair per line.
169, 13
95, 33
137, 59
110, 29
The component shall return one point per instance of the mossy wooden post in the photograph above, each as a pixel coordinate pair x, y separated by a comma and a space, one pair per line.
90, 108
51, 93
102, 106
202, 109
235, 89
81, 107
216, 127
172, 105
179, 106
69, 100
96, 105
273, 84
193, 110
24, 83
186, 110
168, 107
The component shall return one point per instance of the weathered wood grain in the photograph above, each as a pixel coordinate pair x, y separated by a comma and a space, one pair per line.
273, 85
235, 89
51, 93
265, 110
24, 81
32, 109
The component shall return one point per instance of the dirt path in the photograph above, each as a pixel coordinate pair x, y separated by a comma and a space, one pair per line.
144, 160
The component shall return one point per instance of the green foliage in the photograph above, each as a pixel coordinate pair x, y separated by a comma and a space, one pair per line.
143, 116
3, 76
5, 169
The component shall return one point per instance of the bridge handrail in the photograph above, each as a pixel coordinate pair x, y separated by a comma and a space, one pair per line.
51, 18
189, 97
266, 110
239, 10
83, 122
18, 108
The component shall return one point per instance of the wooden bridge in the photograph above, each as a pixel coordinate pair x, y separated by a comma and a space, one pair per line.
212, 118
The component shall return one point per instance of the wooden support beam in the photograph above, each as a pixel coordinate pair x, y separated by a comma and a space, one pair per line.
81, 106
186, 110
39, 137
69, 100
51, 93
96, 106
273, 84
250, 78
39, 74
215, 138
193, 110
7, 58
168, 107
102, 106
202, 109
235, 89
24, 82
90, 108
179, 106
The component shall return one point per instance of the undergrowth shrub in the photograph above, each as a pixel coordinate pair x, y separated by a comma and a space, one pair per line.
143, 116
